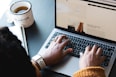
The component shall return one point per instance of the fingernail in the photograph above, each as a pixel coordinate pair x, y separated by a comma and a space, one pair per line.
70, 50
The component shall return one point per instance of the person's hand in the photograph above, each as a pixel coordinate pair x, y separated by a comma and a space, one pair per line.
91, 57
54, 53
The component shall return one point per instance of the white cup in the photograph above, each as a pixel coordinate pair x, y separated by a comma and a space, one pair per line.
21, 12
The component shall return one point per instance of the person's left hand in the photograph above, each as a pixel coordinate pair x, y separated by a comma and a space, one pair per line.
55, 53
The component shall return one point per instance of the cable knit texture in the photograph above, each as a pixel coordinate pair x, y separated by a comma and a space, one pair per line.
90, 72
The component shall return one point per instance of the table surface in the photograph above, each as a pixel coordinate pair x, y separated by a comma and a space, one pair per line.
44, 16
43, 11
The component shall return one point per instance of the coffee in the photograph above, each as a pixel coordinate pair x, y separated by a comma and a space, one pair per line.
22, 13
21, 9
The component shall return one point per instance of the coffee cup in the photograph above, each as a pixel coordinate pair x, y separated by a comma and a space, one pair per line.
21, 12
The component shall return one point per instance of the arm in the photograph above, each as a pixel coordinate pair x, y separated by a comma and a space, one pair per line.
37, 69
93, 71
90, 63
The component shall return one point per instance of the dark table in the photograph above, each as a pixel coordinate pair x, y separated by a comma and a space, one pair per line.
44, 15
43, 12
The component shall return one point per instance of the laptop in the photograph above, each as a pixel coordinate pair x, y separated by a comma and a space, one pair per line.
88, 22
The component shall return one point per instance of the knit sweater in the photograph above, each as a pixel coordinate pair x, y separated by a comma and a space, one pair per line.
90, 72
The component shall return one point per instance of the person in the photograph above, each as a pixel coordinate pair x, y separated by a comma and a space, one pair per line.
14, 61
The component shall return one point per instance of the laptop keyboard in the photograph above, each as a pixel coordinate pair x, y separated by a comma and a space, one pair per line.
79, 45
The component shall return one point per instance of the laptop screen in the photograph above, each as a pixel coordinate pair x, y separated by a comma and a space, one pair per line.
86, 17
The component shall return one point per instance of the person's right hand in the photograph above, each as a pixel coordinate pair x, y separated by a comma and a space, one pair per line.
91, 57
55, 52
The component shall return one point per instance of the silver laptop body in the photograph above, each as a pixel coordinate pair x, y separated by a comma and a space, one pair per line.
98, 25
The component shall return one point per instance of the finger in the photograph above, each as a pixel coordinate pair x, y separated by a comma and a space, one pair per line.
94, 48
60, 38
55, 38
69, 50
64, 43
102, 58
99, 52
87, 49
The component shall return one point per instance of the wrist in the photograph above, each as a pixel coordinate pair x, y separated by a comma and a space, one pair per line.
37, 70
39, 61
35, 64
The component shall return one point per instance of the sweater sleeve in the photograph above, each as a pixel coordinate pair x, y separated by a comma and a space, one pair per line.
90, 72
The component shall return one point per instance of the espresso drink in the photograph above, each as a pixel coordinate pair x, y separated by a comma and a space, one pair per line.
21, 9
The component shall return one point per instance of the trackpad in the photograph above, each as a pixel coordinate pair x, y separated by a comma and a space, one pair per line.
68, 66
